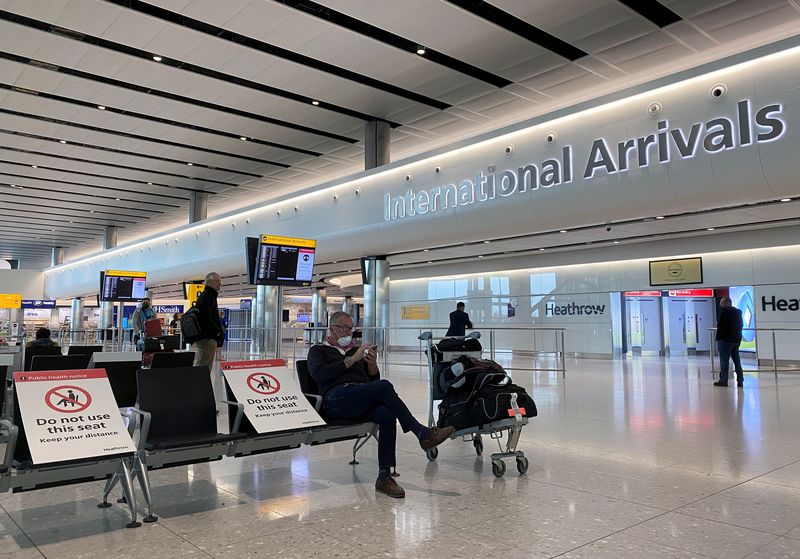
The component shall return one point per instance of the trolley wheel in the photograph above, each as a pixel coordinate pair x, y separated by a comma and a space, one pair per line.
478, 444
432, 454
522, 464
498, 468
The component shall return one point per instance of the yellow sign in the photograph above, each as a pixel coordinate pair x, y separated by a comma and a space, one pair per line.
676, 272
125, 273
193, 290
10, 301
288, 241
416, 312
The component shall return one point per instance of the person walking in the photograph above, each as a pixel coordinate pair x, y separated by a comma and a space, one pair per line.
459, 321
729, 337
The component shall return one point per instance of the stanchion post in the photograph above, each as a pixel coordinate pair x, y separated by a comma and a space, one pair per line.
563, 358
774, 357
491, 344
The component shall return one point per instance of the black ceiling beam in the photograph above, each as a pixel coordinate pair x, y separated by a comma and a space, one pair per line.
54, 219
29, 187
172, 96
397, 41
62, 226
103, 221
512, 23
274, 50
150, 210
185, 66
149, 139
654, 11
6, 232
125, 152
127, 167
93, 186
143, 116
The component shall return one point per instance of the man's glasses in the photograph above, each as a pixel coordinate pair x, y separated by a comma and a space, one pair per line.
345, 328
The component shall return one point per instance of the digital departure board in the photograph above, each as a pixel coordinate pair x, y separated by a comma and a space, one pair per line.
122, 285
283, 261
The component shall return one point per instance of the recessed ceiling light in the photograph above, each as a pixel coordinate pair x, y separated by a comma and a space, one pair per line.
710, 229
659, 217
541, 249
616, 242
91, 211
426, 250
315, 102
420, 50
117, 199
243, 138
786, 199
190, 164
101, 107
157, 58
35, 166
563, 231
486, 242
430, 261
480, 256
62, 141
15, 186
150, 183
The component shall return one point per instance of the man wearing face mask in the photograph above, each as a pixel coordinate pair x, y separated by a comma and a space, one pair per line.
143, 312
348, 378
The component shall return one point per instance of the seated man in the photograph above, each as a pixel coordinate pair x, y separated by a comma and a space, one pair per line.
352, 389
42, 339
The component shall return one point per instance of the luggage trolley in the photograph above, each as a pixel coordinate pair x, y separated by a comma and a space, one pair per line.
495, 429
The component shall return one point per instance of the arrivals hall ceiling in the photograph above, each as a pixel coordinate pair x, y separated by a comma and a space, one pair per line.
113, 111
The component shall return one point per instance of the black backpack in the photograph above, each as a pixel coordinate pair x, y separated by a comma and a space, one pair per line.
190, 326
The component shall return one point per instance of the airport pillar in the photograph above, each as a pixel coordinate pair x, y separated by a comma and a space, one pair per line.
56, 256
376, 299
107, 307
319, 313
376, 143
198, 206
76, 320
265, 321
347, 305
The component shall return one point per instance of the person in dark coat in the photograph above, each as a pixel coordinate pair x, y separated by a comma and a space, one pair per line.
349, 380
212, 334
729, 337
459, 321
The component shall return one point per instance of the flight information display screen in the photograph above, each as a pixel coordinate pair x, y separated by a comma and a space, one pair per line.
284, 261
122, 285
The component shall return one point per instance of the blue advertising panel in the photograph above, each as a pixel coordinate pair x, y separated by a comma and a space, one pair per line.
743, 299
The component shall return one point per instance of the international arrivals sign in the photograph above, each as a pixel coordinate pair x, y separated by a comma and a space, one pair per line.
748, 126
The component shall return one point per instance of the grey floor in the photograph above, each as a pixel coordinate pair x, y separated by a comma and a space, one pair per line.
633, 459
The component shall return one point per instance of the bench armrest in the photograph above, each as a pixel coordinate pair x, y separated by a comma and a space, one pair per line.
317, 400
11, 445
239, 412
144, 428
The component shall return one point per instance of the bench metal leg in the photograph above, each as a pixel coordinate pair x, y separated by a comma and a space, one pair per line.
141, 474
360, 442
127, 487
110, 483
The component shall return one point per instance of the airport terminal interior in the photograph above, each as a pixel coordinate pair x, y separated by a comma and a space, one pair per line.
199, 197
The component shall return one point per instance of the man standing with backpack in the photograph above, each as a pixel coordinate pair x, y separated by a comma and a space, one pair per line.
211, 333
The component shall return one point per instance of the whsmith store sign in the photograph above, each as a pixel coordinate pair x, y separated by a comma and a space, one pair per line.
747, 127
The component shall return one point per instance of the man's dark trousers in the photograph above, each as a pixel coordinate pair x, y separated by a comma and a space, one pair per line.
728, 351
377, 402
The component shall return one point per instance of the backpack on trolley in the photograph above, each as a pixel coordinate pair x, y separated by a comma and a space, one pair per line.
477, 392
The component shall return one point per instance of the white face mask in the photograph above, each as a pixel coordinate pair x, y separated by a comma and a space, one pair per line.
344, 341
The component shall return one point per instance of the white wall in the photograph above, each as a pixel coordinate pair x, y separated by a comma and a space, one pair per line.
486, 294
347, 217
30, 283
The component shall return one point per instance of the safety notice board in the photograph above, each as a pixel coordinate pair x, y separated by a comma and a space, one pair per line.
272, 397
69, 415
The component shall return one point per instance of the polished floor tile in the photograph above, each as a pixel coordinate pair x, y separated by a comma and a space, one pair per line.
628, 459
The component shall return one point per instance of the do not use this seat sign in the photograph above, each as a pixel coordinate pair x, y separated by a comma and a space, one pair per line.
272, 397
70, 415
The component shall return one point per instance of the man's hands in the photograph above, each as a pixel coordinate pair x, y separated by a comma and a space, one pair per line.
366, 352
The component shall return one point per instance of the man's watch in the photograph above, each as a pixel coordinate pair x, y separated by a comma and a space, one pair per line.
348, 361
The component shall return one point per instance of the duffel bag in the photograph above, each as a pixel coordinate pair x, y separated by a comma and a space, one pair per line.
454, 345
463, 374
491, 403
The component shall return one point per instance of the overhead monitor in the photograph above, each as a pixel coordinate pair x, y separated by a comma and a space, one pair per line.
283, 261
122, 285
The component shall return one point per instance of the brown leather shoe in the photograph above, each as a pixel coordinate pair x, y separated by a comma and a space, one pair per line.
389, 487
438, 436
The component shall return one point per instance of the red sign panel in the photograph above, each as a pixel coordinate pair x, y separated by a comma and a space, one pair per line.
691, 292
643, 294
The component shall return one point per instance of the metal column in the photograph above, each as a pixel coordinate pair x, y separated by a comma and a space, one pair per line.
265, 321
376, 143
319, 313
107, 307
76, 320
56, 256
198, 206
376, 299
347, 305
110, 237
